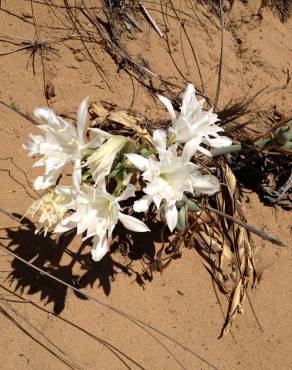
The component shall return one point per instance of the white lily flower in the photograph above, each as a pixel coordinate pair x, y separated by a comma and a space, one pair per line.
62, 143
169, 177
97, 213
194, 123
52, 207
100, 162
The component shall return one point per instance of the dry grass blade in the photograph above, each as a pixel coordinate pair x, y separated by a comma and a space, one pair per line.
221, 53
143, 325
283, 8
223, 241
263, 234
151, 20
17, 318
114, 350
102, 114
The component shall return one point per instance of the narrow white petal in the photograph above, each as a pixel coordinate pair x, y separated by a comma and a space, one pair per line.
168, 106
86, 222
45, 113
44, 182
41, 162
101, 133
157, 198
159, 140
138, 161
33, 145
190, 148
81, 118
127, 193
76, 175
219, 142
182, 130
204, 151
171, 216
142, 205
67, 224
189, 99
132, 223
206, 184
100, 249
96, 142
60, 229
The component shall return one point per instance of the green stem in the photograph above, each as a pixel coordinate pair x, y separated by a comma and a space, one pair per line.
239, 147
226, 149
148, 153
118, 187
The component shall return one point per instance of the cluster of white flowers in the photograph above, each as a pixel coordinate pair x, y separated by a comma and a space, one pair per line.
167, 173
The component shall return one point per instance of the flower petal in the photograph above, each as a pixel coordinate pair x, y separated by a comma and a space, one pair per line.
81, 118
33, 145
127, 193
159, 140
218, 142
182, 130
100, 249
101, 133
132, 223
171, 216
190, 148
204, 151
45, 114
168, 106
138, 161
67, 224
206, 184
142, 205
189, 100
76, 175
44, 182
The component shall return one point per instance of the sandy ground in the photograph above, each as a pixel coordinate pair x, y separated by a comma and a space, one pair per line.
181, 302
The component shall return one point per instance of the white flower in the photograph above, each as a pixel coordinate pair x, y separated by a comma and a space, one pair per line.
194, 123
100, 162
62, 143
169, 177
97, 213
52, 207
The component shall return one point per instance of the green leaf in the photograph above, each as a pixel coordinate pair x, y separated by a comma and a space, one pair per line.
86, 175
116, 170
181, 221
287, 146
226, 149
192, 205
162, 215
180, 203
88, 151
283, 135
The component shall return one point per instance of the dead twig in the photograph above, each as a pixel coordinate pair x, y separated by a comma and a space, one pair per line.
221, 53
151, 20
143, 325
262, 234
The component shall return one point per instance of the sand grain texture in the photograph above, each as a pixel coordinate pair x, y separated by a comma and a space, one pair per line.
181, 302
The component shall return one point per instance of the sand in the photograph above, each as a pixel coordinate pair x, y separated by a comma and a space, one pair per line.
181, 302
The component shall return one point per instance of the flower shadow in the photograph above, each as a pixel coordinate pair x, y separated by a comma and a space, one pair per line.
73, 267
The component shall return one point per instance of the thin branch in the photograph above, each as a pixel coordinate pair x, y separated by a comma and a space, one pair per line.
143, 325
221, 53
262, 234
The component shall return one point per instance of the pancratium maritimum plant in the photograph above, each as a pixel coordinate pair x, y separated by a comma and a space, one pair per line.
61, 144
169, 177
97, 212
194, 123
109, 169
